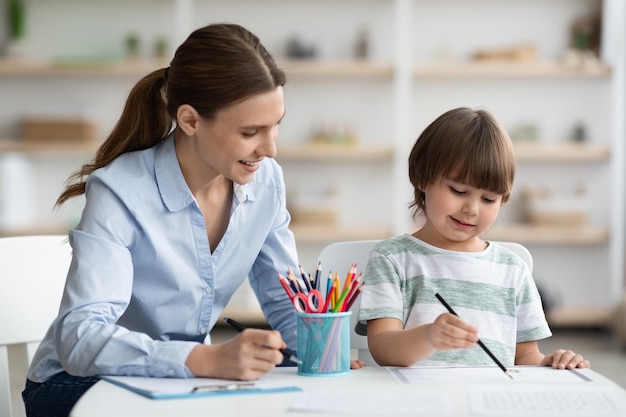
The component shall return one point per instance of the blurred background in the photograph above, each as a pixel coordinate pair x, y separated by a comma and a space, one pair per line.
365, 78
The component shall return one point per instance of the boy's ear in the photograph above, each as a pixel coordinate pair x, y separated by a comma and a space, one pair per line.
187, 119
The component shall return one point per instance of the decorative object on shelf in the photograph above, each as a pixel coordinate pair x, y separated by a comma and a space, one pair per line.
17, 18
362, 46
345, 136
526, 52
579, 133
16, 21
131, 45
58, 130
160, 47
297, 49
585, 33
584, 47
543, 205
525, 132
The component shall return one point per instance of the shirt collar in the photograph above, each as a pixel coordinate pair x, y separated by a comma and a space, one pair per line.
242, 193
172, 185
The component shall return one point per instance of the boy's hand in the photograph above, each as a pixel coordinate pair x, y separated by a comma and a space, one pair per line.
449, 332
565, 359
356, 364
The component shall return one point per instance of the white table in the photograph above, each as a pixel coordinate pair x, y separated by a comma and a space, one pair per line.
107, 400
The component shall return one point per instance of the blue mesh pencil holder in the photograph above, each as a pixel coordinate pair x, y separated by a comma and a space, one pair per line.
323, 343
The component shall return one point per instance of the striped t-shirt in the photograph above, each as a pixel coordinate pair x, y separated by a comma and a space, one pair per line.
493, 290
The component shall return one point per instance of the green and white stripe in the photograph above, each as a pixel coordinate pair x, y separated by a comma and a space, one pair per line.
493, 289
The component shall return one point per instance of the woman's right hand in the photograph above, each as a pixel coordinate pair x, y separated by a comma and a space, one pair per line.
249, 355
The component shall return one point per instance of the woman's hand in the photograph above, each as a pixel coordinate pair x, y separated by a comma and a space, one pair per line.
565, 359
249, 355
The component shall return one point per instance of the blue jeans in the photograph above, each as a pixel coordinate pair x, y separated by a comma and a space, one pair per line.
56, 396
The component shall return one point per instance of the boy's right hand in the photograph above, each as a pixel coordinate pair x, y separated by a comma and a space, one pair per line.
449, 332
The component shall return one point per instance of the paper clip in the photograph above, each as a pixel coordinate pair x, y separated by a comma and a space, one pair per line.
226, 387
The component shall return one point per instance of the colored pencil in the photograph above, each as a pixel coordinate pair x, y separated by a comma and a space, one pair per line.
318, 275
354, 296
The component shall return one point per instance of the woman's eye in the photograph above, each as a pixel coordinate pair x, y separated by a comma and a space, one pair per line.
248, 134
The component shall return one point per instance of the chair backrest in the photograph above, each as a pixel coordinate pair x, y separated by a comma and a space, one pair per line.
521, 251
339, 256
33, 270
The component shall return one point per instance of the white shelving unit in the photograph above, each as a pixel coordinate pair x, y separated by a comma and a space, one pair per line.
417, 68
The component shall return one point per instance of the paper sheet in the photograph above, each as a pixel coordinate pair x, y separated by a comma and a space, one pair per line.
525, 400
485, 374
375, 403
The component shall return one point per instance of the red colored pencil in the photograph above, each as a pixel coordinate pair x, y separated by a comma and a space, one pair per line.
354, 297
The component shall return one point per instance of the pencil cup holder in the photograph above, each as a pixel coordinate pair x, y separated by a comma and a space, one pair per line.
323, 343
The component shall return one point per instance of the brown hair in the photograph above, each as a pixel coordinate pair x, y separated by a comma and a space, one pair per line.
469, 145
217, 66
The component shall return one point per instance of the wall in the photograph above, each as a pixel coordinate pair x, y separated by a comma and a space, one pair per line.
390, 110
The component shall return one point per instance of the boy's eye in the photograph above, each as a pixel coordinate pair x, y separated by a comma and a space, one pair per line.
455, 191
489, 200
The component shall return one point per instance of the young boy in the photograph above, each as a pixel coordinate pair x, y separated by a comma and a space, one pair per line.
462, 168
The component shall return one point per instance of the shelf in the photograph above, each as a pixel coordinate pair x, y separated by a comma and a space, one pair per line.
312, 233
313, 68
334, 153
48, 149
550, 234
336, 69
86, 67
78, 68
572, 152
504, 69
579, 317
35, 230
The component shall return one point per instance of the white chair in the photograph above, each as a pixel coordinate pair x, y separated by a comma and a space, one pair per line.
32, 277
339, 256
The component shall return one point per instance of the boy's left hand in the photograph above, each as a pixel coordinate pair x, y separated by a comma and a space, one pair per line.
565, 359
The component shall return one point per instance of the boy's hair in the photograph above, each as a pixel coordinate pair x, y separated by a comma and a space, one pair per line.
467, 145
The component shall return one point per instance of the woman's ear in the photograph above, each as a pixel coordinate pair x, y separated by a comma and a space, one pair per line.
187, 119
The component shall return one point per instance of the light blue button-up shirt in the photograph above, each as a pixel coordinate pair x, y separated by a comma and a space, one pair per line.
143, 287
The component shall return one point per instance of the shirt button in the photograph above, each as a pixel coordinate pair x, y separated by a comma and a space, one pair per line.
202, 330
171, 372
208, 290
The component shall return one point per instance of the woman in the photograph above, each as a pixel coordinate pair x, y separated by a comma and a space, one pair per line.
183, 201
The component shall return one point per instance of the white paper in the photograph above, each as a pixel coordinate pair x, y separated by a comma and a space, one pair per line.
524, 400
485, 374
374, 403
